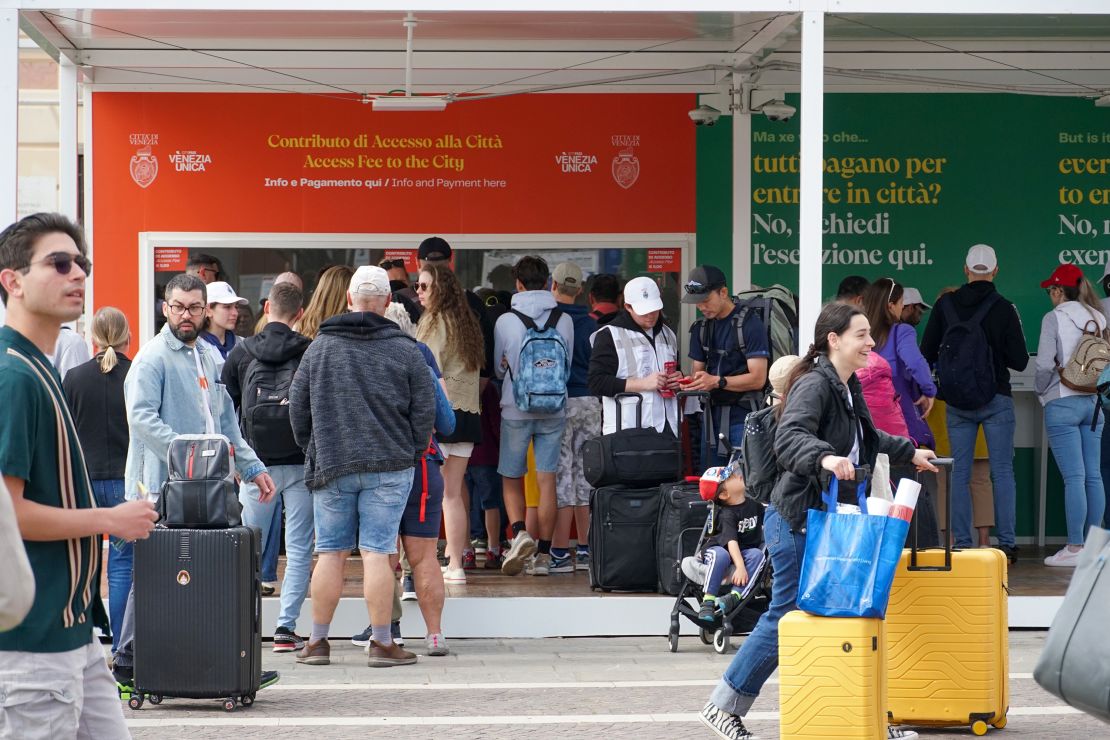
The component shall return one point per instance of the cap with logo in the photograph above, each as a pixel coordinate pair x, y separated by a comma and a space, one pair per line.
642, 294
981, 260
568, 274
221, 292
702, 280
434, 249
912, 297
370, 280
1066, 276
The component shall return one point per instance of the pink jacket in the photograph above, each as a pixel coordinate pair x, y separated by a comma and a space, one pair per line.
878, 390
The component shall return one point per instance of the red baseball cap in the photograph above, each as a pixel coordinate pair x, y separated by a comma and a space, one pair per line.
1068, 276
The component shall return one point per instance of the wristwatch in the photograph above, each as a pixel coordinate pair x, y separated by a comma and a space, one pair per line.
722, 382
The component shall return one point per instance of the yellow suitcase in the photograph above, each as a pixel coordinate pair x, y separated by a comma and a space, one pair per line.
947, 629
832, 678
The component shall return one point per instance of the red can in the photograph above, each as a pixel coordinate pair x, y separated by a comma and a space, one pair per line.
669, 368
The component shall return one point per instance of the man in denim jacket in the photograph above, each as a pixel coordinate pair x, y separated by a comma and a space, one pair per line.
166, 396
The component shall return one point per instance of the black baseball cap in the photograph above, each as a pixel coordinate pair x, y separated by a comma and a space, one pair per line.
702, 280
434, 249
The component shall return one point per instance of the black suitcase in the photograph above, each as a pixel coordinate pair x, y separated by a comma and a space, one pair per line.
622, 538
678, 531
198, 609
631, 456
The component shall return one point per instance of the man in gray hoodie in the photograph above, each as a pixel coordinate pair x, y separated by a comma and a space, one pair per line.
362, 406
518, 428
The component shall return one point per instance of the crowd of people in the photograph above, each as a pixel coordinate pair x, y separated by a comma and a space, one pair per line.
378, 413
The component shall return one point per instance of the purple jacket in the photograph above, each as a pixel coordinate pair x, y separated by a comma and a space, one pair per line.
912, 379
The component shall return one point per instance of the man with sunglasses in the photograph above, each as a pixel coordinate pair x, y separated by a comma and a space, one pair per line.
174, 388
730, 350
52, 670
204, 266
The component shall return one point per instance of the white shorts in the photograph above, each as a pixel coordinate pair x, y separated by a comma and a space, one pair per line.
457, 449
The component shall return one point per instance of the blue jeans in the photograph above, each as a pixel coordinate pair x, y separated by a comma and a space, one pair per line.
997, 419
1106, 477
1078, 453
758, 656
121, 558
299, 533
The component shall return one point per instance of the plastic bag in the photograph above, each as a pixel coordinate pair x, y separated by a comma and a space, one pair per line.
849, 561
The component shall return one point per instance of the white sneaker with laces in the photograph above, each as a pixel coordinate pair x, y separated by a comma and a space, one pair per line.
455, 576
1063, 559
897, 733
522, 547
727, 726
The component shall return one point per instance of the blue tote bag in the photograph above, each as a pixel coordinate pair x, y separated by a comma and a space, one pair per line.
850, 559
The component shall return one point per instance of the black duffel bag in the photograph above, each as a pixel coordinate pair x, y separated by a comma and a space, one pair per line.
634, 456
200, 492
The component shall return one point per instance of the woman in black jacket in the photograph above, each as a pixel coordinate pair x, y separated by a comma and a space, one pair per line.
824, 426
95, 394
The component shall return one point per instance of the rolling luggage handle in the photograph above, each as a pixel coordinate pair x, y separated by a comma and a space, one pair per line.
639, 408
687, 443
940, 462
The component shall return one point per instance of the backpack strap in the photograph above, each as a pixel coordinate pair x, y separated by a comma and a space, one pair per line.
524, 319
553, 319
984, 308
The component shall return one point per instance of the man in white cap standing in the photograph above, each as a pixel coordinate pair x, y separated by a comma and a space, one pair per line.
913, 307
222, 314
973, 336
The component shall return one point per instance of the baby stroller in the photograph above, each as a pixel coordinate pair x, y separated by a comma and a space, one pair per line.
742, 615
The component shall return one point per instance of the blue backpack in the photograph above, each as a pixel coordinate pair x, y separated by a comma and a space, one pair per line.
965, 362
543, 367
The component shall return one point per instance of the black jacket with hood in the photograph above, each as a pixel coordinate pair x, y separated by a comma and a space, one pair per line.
275, 344
1002, 326
362, 400
817, 421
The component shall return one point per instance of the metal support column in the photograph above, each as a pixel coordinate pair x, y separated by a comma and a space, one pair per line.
812, 111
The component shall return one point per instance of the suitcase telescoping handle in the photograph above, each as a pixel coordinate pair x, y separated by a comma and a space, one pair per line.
687, 445
945, 464
639, 408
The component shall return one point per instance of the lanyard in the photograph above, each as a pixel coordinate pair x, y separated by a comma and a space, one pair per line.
202, 381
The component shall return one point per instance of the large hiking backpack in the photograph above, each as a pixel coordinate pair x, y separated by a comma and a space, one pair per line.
264, 409
543, 367
965, 361
758, 462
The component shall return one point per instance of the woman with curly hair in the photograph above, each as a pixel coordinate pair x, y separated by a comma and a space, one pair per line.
452, 332
329, 299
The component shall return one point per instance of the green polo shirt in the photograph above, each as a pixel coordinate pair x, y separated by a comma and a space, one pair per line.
39, 444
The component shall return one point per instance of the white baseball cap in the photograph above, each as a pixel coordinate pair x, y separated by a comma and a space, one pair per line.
221, 292
370, 280
912, 297
981, 259
643, 295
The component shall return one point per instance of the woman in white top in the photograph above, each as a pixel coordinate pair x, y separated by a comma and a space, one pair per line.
1068, 411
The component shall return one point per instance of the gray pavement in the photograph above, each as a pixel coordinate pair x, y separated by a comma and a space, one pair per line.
553, 688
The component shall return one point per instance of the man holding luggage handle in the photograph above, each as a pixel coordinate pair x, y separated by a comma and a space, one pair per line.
173, 388
731, 354
53, 674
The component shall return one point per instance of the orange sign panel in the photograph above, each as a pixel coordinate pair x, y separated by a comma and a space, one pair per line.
664, 260
170, 259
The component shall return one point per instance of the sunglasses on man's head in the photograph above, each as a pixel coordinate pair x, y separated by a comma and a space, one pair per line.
392, 264
63, 262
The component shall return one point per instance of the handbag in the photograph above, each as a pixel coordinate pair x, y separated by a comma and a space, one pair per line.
1091, 356
200, 492
633, 456
850, 559
1075, 662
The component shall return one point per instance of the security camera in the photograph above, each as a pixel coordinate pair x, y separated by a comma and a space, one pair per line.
704, 115
777, 110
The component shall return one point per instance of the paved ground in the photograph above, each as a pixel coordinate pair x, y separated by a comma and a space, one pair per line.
584, 688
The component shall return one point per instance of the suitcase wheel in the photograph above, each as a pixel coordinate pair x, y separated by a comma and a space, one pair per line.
999, 723
706, 636
229, 705
721, 640
246, 699
978, 727
155, 699
135, 701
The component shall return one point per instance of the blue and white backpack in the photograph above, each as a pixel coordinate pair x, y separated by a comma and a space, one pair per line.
543, 367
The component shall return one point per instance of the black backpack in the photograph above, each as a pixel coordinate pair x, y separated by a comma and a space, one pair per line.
965, 361
264, 408
714, 355
758, 461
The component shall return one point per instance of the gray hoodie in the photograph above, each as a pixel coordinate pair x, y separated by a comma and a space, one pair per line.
508, 334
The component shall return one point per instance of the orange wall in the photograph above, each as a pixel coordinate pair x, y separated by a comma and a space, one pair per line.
645, 141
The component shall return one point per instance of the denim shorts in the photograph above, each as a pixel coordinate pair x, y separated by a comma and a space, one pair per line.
546, 436
366, 506
424, 509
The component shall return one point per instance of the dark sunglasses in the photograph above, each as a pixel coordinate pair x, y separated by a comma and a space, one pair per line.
63, 262
423, 286
391, 264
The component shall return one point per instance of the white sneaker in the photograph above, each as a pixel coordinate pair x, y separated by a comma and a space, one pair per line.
897, 733
1063, 559
694, 569
519, 551
541, 564
454, 576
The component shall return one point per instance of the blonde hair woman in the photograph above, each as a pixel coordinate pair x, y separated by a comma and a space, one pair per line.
452, 332
94, 391
329, 299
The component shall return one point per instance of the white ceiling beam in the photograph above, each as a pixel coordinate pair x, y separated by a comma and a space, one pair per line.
938, 60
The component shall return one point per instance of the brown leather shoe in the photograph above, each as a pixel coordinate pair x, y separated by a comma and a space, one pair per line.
387, 657
315, 653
